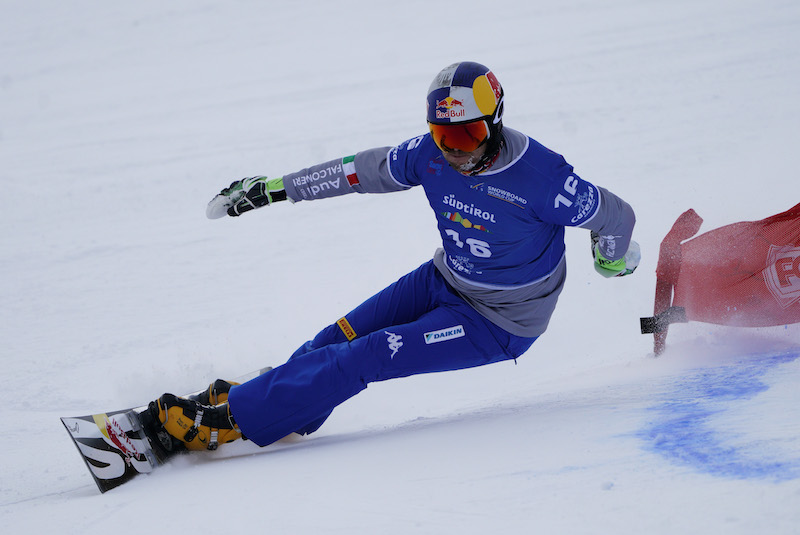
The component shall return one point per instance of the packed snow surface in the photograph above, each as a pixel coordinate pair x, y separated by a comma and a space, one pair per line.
119, 121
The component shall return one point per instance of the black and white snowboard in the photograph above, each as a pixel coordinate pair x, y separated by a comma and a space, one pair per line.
120, 445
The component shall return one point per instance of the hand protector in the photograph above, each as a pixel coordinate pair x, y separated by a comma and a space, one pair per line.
245, 195
615, 268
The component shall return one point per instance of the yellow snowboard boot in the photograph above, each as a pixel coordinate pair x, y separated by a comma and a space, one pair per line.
197, 426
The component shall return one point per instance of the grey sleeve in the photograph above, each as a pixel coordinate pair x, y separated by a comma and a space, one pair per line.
366, 172
614, 223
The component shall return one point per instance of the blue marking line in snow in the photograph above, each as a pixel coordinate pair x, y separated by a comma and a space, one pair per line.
683, 429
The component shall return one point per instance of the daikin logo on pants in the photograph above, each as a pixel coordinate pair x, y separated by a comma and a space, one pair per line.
444, 334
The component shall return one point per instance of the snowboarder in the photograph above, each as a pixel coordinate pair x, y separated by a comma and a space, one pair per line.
502, 202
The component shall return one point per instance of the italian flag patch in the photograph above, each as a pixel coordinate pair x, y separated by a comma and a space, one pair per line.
349, 167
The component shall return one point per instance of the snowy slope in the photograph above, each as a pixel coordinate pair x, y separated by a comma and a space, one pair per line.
118, 122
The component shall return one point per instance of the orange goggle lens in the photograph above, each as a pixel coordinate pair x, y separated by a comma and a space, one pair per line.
465, 137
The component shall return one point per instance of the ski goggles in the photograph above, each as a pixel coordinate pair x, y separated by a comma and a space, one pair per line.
464, 137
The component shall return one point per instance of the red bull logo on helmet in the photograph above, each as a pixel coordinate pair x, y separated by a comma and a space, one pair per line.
450, 108
498, 90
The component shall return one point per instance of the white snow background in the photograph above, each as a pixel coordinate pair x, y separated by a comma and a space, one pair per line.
119, 121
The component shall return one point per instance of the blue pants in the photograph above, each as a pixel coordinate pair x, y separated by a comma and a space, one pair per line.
416, 325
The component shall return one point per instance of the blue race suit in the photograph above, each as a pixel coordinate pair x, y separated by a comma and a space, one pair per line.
502, 262
416, 325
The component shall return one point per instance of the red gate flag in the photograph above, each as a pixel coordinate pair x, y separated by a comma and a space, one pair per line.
746, 274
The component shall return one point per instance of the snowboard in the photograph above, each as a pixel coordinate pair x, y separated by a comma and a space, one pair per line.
120, 445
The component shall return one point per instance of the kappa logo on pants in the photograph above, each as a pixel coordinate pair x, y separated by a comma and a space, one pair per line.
445, 334
395, 342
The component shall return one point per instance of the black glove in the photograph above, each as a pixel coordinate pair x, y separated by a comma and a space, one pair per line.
245, 195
